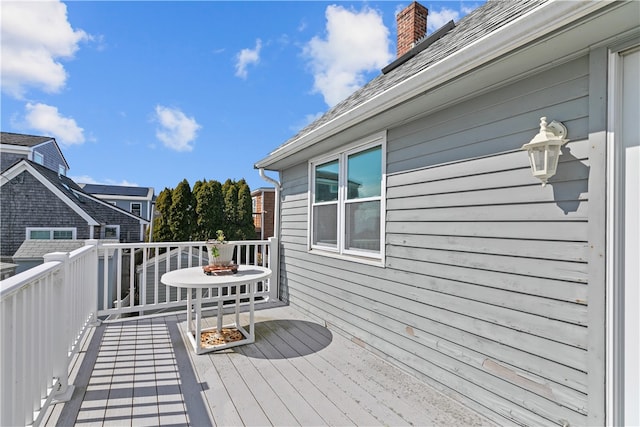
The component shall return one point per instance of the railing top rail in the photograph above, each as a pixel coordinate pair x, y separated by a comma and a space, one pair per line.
189, 243
80, 251
13, 284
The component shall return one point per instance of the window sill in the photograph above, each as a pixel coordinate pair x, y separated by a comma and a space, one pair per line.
376, 262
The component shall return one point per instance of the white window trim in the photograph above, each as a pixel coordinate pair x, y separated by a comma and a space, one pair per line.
104, 231
378, 139
50, 230
38, 158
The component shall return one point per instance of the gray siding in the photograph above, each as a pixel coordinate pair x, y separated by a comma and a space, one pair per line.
26, 202
484, 291
8, 159
52, 157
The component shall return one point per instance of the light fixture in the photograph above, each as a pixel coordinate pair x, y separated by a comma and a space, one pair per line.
544, 149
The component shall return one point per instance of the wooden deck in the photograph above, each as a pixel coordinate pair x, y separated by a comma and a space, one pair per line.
141, 372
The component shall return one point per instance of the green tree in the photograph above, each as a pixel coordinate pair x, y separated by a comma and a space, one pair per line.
230, 193
245, 227
161, 229
209, 205
182, 212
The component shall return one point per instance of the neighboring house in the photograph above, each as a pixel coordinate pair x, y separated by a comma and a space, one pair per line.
38, 203
43, 150
410, 219
263, 202
32, 251
137, 200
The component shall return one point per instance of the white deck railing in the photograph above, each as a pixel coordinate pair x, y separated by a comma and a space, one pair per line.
45, 311
132, 274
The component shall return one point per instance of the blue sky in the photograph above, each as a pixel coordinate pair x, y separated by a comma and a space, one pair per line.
150, 93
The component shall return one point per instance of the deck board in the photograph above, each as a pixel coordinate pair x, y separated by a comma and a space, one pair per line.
144, 372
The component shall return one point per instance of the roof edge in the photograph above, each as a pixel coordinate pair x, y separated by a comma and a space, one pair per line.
540, 21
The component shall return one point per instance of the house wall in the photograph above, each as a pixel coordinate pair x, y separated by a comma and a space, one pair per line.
8, 159
26, 202
52, 158
263, 217
126, 205
269, 202
485, 284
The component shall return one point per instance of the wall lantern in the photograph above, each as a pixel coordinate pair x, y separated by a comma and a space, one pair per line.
544, 149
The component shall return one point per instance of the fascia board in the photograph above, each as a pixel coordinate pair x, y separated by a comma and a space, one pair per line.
118, 197
14, 149
24, 166
547, 18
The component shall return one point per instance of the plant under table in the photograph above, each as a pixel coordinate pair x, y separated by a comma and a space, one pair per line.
228, 289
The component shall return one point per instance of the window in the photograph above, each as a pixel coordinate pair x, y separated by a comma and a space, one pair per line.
347, 209
38, 158
61, 170
51, 233
136, 209
111, 232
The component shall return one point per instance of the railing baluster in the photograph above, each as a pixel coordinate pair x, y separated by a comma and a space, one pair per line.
118, 277
105, 265
132, 282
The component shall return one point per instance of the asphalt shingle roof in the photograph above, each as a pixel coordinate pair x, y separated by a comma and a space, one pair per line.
484, 20
98, 210
116, 190
22, 140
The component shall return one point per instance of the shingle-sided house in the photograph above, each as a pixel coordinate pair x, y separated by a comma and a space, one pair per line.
38, 203
137, 200
410, 219
43, 150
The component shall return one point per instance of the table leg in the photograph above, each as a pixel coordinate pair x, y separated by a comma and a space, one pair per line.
237, 304
252, 335
198, 332
189, 311
219, 316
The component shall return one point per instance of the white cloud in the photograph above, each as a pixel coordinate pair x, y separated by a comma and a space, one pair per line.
438, 18
176, 131
46, 119
247, 57
355, 43
35, 35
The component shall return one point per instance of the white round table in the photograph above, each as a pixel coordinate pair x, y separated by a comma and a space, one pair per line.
228, 287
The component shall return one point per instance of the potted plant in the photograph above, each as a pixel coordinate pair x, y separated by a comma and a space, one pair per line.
220, 251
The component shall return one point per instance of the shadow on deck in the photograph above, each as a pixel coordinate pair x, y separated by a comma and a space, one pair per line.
144, 372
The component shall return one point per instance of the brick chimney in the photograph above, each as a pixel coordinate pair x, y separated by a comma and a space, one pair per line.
412, 26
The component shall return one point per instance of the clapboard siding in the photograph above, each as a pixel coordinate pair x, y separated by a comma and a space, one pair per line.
423, 353
484, 291
420, 295
565, 251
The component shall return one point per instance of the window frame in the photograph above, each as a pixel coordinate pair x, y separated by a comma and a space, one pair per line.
51, 231
38, 158
104, 231
131, 208
342, 156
